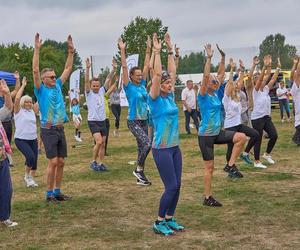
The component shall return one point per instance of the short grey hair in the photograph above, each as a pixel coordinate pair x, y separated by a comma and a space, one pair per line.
24, 99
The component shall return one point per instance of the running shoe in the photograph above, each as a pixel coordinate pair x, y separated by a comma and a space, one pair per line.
52, 200
102, 167
62, 197
162, 228
94, 166
246, 158
143, 183
259, 165
140, 175
9, 223
233, 172
268, 158
174, 225
211, 202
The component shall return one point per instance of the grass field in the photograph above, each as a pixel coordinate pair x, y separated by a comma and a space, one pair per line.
109, 211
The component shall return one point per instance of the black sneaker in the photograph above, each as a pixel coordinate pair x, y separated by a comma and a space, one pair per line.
140, 175
52, 200
211, 202
62, 197
226, 168
233, 172
145, 183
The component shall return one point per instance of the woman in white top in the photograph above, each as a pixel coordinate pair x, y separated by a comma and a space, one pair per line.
26, 133
261, 115
295, 92
233, 111
283, 99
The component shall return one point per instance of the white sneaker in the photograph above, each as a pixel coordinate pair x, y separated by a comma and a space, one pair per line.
77, 138
34, 182
268, 158
115, 133
259, 165
9, 223
29, 181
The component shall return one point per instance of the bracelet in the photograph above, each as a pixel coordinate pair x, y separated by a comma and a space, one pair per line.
170, 53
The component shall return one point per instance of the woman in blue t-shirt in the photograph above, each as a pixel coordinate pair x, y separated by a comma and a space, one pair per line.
210, 132
136, 93
165, 146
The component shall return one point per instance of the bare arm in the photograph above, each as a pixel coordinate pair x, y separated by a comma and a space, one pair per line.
295, 64
230, 84
267, 64
209, 52
147, 59
19, 95
221, 69
35, 61
18, 84
171, 61
111, 74
87, 76
125, 77
176, 56
6, 93
275, 75
240, 81
155, 88
69, 63
297, 76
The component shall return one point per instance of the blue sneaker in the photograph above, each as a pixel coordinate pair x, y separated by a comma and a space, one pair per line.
162, 228
94, 166
102, 167
174, 225
246, 159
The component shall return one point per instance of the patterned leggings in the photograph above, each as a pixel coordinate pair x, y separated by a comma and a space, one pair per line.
139, 128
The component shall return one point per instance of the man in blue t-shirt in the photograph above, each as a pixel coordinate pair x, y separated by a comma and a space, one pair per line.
48, 90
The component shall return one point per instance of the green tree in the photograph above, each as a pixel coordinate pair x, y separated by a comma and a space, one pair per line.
276, 47
135, 35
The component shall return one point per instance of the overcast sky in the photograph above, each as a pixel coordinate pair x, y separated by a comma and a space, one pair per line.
96, 25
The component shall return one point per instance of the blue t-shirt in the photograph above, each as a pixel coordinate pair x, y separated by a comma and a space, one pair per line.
75, 109
164, 113
1, 101
51, 103
137, 101
210, 108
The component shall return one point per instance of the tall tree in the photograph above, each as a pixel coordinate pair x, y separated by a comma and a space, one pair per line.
135, 36
276, 47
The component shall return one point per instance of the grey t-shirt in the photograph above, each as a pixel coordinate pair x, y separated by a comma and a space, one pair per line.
115, 97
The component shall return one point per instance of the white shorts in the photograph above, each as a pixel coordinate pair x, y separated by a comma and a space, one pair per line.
77, 119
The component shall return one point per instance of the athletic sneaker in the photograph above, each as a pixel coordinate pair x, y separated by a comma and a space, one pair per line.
78, 139
94, 166
52, 199
9, 223
29, 181
246, 158
145, 183
259, 165
34, 184
211, 202
140, 175
62, 197
102, 167
268, 158
233, 172
162, 228
174, 225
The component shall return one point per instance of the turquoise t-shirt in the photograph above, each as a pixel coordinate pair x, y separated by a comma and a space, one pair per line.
164, 113
75, 109
137, 101
51, 103
210, 108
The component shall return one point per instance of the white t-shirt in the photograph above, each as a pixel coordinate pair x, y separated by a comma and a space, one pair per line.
25, 123
261, 103
232, 112
96, 105
189, 96
280, 91
295, 91
244, 101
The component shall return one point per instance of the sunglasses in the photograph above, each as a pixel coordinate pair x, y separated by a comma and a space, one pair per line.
51, 77
215, 82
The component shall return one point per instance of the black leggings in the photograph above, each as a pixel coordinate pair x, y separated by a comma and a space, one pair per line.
250, 132
106, 139
116, 110
263, 124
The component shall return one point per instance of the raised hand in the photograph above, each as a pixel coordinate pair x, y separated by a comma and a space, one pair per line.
149, 43
242, 66
87, 63
176, 50
3, 87
70, 44
168, 41
278, 63
209, 50
114, 63
24, 81
220, 50
156, 43
267, 60
255, 60
232, 64
17, 75
37, 41
121, 44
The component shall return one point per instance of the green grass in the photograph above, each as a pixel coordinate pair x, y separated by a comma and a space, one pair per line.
109, 211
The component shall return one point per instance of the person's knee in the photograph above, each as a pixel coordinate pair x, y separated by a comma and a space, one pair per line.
53, 162
30, 160
239, 138
273, 135
60, 162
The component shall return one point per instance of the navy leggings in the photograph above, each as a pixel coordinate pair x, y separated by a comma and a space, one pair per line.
139, 128
5, 191
116, 110
169, 165
29, 148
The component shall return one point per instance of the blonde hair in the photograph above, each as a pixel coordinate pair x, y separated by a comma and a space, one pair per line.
24, 98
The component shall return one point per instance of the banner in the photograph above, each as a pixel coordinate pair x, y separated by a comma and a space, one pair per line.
131, 62
74, 85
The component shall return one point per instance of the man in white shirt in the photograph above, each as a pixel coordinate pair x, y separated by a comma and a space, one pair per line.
188, 97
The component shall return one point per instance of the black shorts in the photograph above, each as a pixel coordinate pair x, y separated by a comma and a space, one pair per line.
54, 140
206, 143
98, 127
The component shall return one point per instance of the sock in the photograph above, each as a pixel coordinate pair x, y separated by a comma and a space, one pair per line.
56, 191
79, 133
138, 168
245, 154
76, 131
49, 193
